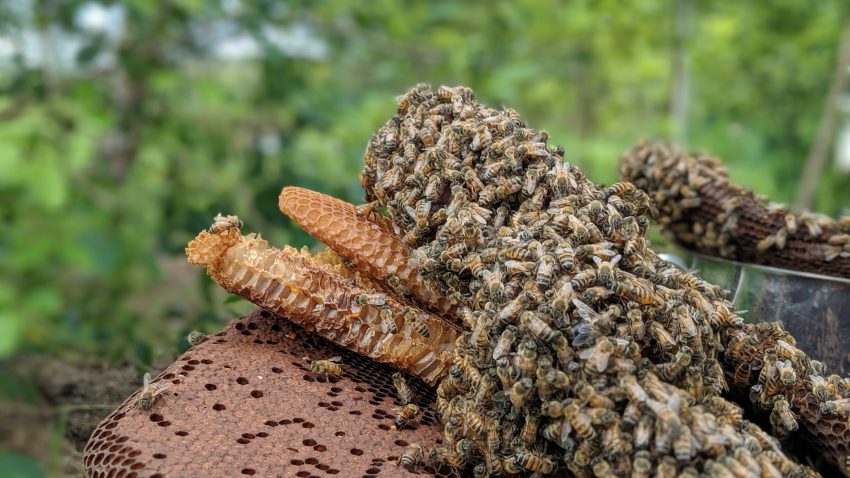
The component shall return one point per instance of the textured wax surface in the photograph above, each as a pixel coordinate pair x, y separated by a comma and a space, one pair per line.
246, 403
320, 298
372, 246
705, 211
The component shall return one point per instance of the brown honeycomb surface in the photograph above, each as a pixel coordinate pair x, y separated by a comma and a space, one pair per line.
245, 403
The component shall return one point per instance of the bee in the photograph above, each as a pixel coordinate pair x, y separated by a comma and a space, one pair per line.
506, 340
534, 324
641, 464
513, 308
411, 457
580, 421
781, 416
405, 414
662, 336
529, 431
326, 367
786, 373
819, 387
194, 338
839, 407
377, 299
519, 392
475, 424
534, 462
565, 255
561, 178
643, 432
464, 448
443, 455
493, 283
505, 372
558, 379
683, 446
420, 324
591, 397
544, 271
224, 223
420, 214
742, 374
405, 394
526, 358
561, 302
671, 370
491, 431
150, 392
596, 358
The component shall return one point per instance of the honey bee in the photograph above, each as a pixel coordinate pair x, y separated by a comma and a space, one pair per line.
787, 375
544, 271
475, 424
782, 415
683, 446
464, 448
526, 358
326, 367
405, 414
662, 336
529, 431
596, 358
839, 407
195, 337
533, 462
505, 372
641, 464
224, 223
506, 340
819, 387
591, 397
150, 392
493, 283
443, 455
534, 324
671, 370
519, 392
742, 374
405, 394
377, 299
580, 421
565, 255
411, 457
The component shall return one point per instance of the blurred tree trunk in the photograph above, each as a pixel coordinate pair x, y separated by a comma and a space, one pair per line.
818, 154
680, 88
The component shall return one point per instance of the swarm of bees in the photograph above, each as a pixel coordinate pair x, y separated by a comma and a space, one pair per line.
702, 209
583, 350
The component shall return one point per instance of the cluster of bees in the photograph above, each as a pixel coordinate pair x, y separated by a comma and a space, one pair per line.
583, 350
700, 206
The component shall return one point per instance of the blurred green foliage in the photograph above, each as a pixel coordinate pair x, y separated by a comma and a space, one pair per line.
112, 160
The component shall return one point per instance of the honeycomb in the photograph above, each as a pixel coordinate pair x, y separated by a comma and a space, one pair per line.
245, 403
370, 245
704, 210
322, 298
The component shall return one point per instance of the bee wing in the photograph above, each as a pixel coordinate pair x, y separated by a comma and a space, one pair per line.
335, 359
585, 311
146, 380
162, 388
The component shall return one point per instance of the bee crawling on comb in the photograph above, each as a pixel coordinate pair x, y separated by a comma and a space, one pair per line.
150, 393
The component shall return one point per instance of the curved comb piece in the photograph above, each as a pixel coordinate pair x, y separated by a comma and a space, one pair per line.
316, 297
372, 246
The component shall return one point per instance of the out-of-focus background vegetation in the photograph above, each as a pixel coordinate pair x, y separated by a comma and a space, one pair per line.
125, 126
